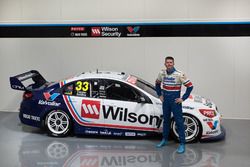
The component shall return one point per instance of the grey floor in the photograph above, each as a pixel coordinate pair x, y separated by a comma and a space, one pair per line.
30, 147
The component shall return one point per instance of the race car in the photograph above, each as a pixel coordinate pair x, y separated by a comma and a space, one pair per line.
109, 104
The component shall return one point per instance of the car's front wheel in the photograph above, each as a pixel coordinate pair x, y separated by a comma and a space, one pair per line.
58, 123
192, 127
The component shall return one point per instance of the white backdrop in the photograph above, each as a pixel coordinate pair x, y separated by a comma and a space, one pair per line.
218, 66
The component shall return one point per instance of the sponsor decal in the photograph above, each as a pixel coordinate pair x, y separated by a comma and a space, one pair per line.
18, 87
133, 31
188, 107
213, 125
91, 132
50, 97
207, 120
208, 103
105, 32
121, 114
90, 109
132, 80
168, 80
212, 132
117, 133
208, 113
26, 76
141, 134
130, 134
31, 117
48, 103
78, 32
96, 31
106, 132
198, 99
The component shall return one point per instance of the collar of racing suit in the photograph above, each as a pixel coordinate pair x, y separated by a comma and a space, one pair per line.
170, 71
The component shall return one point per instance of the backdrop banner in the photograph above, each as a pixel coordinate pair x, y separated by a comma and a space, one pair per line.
124, 30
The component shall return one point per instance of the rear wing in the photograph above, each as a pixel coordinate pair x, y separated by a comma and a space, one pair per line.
17, 82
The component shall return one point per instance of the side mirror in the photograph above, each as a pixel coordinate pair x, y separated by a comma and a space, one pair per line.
141, 99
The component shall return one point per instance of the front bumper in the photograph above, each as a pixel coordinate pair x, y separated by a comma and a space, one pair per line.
221, 136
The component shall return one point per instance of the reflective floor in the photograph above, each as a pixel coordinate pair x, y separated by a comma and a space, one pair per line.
23, 146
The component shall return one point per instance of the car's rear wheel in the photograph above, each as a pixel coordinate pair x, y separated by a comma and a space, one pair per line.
192, 127
58, 123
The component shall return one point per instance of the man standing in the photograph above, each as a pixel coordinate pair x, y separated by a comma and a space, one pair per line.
168, 87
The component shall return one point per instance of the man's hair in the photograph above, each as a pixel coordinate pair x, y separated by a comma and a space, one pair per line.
169, 58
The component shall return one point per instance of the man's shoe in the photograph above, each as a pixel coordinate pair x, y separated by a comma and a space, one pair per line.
181, 149
162, 143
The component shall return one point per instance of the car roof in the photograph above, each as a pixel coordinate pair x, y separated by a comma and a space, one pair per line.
100, 74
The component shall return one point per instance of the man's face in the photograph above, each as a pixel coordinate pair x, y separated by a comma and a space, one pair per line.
169, 63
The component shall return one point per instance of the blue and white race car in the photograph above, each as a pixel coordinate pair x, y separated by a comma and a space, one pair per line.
109, 104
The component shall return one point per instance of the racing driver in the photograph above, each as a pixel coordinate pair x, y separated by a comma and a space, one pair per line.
168, 87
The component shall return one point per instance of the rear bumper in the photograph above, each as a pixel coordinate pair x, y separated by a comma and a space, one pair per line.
221, 136
29, 114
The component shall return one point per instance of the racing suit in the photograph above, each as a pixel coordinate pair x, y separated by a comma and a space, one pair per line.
168, 84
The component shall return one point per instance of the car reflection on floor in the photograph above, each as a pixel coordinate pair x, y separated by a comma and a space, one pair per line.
88, 152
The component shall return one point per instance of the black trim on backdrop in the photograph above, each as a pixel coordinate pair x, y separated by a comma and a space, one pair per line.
125, 30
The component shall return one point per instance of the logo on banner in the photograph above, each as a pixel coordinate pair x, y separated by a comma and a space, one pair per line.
133, 31
79, 29
96, 31
90, 109
213, 125
105, 32
78, 32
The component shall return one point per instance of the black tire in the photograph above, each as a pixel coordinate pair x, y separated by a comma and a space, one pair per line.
193, 129
58, 123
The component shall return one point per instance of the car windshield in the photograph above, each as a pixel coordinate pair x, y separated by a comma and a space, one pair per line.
146, 86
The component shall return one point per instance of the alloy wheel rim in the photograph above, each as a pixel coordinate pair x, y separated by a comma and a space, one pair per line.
58, 122
190, 126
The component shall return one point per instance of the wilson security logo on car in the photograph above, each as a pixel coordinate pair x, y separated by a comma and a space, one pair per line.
123, 114
90, 109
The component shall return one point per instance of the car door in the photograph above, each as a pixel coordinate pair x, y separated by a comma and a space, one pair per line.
125, 107
83, 102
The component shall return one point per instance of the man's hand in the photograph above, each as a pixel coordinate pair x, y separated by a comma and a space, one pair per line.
178, 100
161, 98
